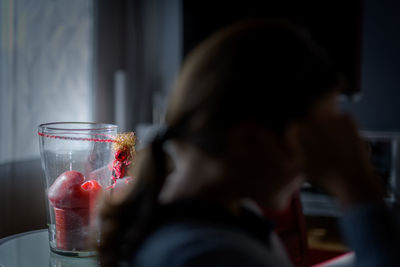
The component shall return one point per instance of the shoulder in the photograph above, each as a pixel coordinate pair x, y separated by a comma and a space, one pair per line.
372, 230
191, 244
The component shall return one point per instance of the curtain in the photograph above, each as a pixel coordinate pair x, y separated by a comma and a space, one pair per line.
45, 70
46, 65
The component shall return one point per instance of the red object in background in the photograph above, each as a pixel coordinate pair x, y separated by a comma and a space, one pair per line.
290, 227
344, 259
74, 201
321, 257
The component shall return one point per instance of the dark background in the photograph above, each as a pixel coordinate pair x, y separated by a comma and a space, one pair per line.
378, 107
334, 25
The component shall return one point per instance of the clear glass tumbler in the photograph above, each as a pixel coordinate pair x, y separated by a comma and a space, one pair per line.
77, 161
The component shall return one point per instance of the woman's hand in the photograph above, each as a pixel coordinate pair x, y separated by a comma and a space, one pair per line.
336, 159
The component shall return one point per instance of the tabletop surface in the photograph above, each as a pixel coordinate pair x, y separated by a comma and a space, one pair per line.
31, 249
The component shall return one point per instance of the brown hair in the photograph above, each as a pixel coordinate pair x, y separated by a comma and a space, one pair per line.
266, 71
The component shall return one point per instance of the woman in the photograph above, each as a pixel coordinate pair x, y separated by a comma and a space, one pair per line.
253, 112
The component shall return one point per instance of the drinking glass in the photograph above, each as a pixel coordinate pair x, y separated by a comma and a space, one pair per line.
77, 162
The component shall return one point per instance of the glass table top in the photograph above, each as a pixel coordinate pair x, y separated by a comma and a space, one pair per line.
31, 249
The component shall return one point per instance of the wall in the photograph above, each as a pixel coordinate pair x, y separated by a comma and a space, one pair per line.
22, 197
379, 106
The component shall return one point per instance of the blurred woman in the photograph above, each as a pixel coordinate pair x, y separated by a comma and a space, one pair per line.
253, 113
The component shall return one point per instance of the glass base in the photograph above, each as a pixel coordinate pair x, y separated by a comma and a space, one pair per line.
80, 254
